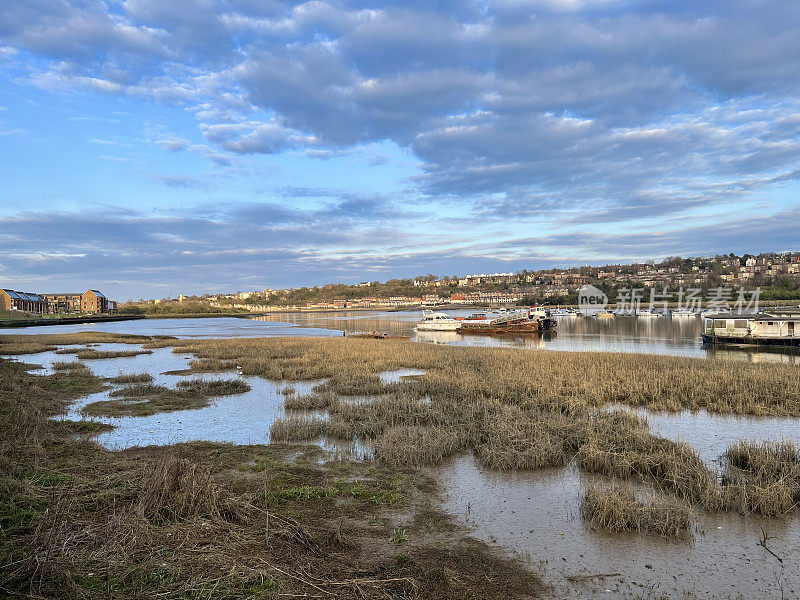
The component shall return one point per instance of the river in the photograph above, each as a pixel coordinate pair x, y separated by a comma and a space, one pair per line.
659, 335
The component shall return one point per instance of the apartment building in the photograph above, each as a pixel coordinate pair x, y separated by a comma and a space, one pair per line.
64, 303
91, 301
24, 301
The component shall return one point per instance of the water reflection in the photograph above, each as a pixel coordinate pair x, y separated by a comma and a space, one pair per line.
656, 335
214, 327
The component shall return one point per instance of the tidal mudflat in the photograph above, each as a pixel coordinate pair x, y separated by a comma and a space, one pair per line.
513, 441
536, 515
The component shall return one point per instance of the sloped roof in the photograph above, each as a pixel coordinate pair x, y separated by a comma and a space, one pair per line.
11, 293
98, 293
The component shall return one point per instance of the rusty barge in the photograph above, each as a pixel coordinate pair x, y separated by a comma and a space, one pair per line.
532, 320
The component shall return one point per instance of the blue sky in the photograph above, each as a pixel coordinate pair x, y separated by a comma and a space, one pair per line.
149, 149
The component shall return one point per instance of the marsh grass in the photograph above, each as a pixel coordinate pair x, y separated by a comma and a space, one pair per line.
313, 401
354, 385
92, 354
762, 477
409, 446
72, 365
616, 508
177, 490
516, 409
138, 390
552, 381
131, 378
35, 343
208, 520
297, 428
214, 387
145, 399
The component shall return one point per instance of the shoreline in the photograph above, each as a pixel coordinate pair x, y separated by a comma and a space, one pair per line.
44, 322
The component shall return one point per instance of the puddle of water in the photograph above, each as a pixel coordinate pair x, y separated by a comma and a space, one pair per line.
161, 359
397, 376
711, 434
356, 449
239, 418
536, 516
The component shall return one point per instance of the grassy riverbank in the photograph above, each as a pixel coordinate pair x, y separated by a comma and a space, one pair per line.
208, 520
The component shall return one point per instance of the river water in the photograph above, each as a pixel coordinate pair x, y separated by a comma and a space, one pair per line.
659, 335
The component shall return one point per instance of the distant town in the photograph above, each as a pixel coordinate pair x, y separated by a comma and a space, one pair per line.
777, 274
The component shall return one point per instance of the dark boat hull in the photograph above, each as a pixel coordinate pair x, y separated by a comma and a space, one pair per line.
750, 341
519, 327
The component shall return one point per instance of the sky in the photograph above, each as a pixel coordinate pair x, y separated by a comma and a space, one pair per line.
156, 147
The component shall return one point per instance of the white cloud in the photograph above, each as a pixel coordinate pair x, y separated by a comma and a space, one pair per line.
558, 101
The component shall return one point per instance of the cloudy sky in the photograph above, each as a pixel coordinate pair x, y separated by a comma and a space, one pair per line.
150, 147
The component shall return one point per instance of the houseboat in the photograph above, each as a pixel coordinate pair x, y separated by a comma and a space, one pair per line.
682, 312
752, 328
647, 313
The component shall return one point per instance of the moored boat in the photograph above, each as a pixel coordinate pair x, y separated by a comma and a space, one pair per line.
751, 328
437, 321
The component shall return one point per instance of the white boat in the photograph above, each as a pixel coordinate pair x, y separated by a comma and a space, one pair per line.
682, 312
647, 312
564, 312
437, 321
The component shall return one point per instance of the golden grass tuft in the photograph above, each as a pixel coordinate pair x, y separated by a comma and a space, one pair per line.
615, 508
131, 378
762, 477
178, 490
297, 428
72, 365
406, 446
